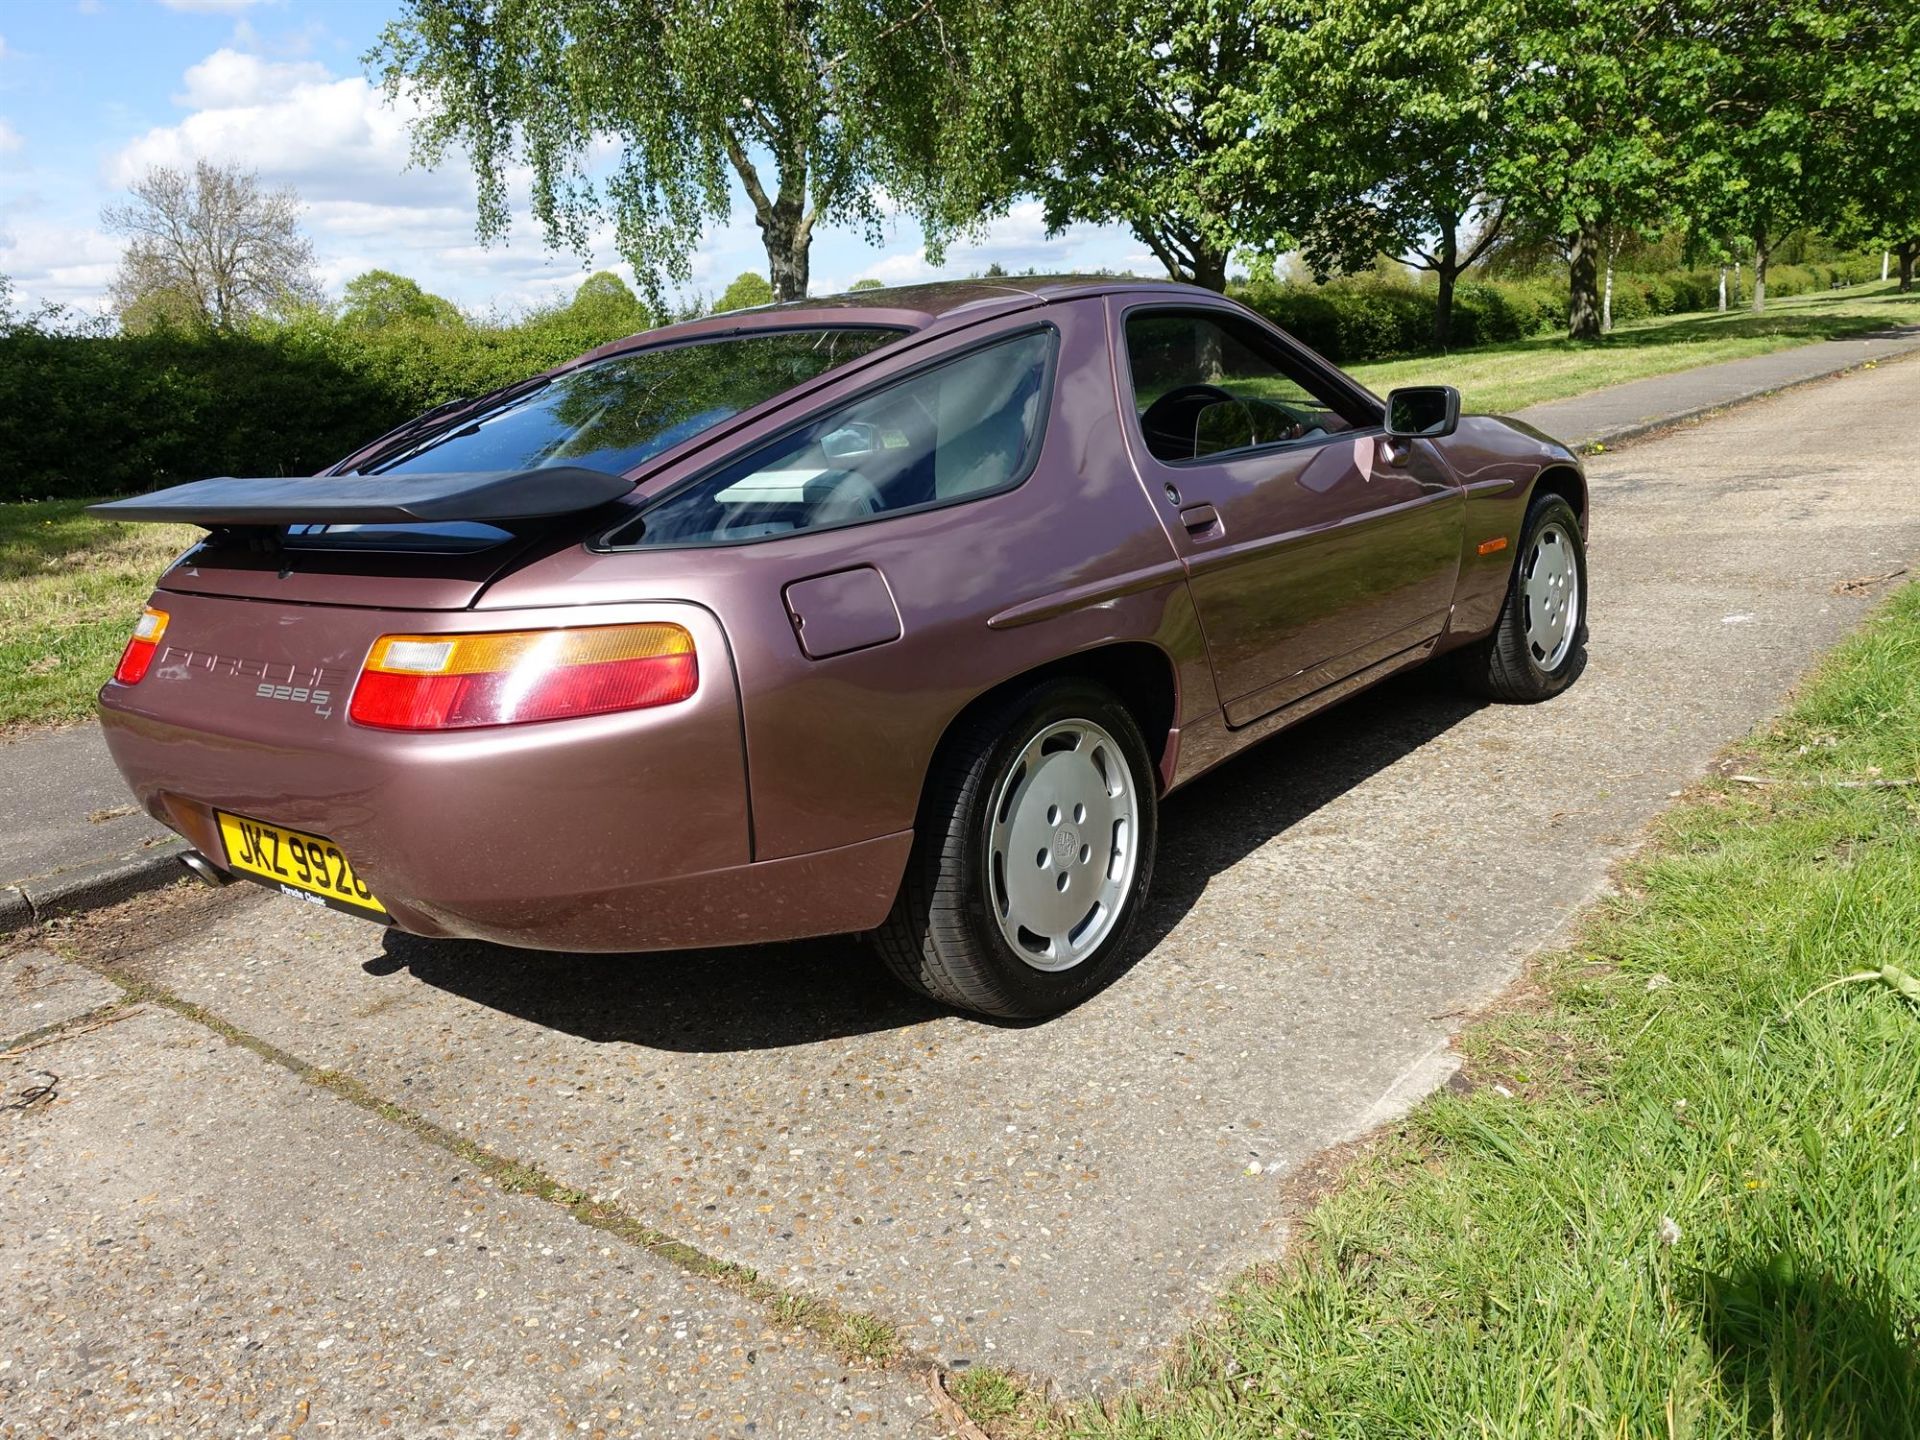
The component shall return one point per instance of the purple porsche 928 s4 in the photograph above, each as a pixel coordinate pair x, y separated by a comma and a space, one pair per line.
895, 612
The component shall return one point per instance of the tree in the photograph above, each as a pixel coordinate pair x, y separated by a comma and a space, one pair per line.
1143, 113
380, 298
690, 91
605, 301
867, 284
1766, 143
209, 248
1584, 146
747, 290
1400, 126
1881, 206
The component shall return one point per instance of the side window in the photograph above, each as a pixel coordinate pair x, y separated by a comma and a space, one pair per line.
962, 429
1207, 384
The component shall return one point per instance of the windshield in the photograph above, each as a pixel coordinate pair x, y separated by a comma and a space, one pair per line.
617, 412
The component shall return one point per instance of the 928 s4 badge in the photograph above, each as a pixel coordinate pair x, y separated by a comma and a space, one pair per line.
320, 700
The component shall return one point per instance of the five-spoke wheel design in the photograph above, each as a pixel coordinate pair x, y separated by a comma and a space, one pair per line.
1061, 847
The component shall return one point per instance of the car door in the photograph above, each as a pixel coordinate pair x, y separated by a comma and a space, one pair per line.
1315, 548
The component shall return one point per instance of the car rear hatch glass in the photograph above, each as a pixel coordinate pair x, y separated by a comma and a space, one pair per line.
429, 514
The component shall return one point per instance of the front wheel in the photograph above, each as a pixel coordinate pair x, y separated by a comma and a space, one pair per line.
1539, 645
1032, 856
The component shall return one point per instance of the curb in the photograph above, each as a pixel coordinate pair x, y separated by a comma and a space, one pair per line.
1640, 429
89, 887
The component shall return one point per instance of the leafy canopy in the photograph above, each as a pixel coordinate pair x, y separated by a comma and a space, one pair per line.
749, 288
1146, 113
380, 298
807, 104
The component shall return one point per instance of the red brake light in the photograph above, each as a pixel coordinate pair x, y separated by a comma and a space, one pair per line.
456, 682
141, 647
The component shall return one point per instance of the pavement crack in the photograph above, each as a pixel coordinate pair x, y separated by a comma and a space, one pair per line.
94, 1019
851, 1335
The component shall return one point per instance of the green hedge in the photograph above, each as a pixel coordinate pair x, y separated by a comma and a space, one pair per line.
1374, 318
1377, 317
97, 415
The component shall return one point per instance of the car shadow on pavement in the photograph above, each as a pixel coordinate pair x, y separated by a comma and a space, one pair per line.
770, 996
1232, 811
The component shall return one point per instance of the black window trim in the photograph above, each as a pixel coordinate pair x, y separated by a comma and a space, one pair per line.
1362, 399
607, 544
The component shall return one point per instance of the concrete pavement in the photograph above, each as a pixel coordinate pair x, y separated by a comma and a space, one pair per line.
210, 1246
70, 835
1061, 1199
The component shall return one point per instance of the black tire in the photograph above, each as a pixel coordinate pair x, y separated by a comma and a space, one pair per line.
942, 938
1504, 666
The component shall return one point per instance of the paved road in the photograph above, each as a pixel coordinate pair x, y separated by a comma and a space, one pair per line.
1058, 1198
1622, 411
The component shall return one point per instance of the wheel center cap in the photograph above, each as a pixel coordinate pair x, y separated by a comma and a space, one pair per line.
1066, 844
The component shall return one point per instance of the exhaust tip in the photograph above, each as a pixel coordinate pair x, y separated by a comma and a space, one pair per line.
204, 870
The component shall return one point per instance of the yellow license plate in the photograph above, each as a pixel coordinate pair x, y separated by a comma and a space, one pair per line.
301, 865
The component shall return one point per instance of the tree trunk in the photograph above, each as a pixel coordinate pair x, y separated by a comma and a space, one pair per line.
1446, 271
788, 236
1908, 253
1759, 274
1723, 289
1583, 284
1883, 267
1448, 277
1210, 268
1606, 299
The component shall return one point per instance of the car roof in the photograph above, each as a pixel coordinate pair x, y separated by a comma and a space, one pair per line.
926, 306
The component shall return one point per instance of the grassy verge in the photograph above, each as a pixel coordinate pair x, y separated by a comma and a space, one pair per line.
1681, 1196
1501, 378
70, 589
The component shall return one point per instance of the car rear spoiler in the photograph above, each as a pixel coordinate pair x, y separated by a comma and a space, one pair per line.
487, 495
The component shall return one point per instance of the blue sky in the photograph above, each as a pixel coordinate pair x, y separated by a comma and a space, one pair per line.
92, 92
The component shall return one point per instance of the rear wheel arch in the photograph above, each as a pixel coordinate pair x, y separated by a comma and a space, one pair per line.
1139, 673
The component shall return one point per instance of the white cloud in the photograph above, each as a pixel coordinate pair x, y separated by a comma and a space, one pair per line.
229, 78
11, 140
337, 142
67, 265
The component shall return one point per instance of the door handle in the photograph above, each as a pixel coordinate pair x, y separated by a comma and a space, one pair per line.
1202, 522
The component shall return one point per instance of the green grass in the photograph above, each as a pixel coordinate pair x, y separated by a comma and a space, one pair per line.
1502, 378
1675, 1200
71, 587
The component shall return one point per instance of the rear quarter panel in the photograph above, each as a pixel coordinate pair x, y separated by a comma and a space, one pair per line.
838, 748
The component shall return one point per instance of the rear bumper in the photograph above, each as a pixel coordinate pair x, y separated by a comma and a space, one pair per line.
616, 832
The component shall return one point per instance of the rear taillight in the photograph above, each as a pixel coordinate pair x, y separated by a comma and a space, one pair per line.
141, 649
455, 682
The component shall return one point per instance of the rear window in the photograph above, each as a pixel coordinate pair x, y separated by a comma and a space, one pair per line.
616, 413
959, 430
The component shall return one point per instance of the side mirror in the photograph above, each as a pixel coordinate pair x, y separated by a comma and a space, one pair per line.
1422, 412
